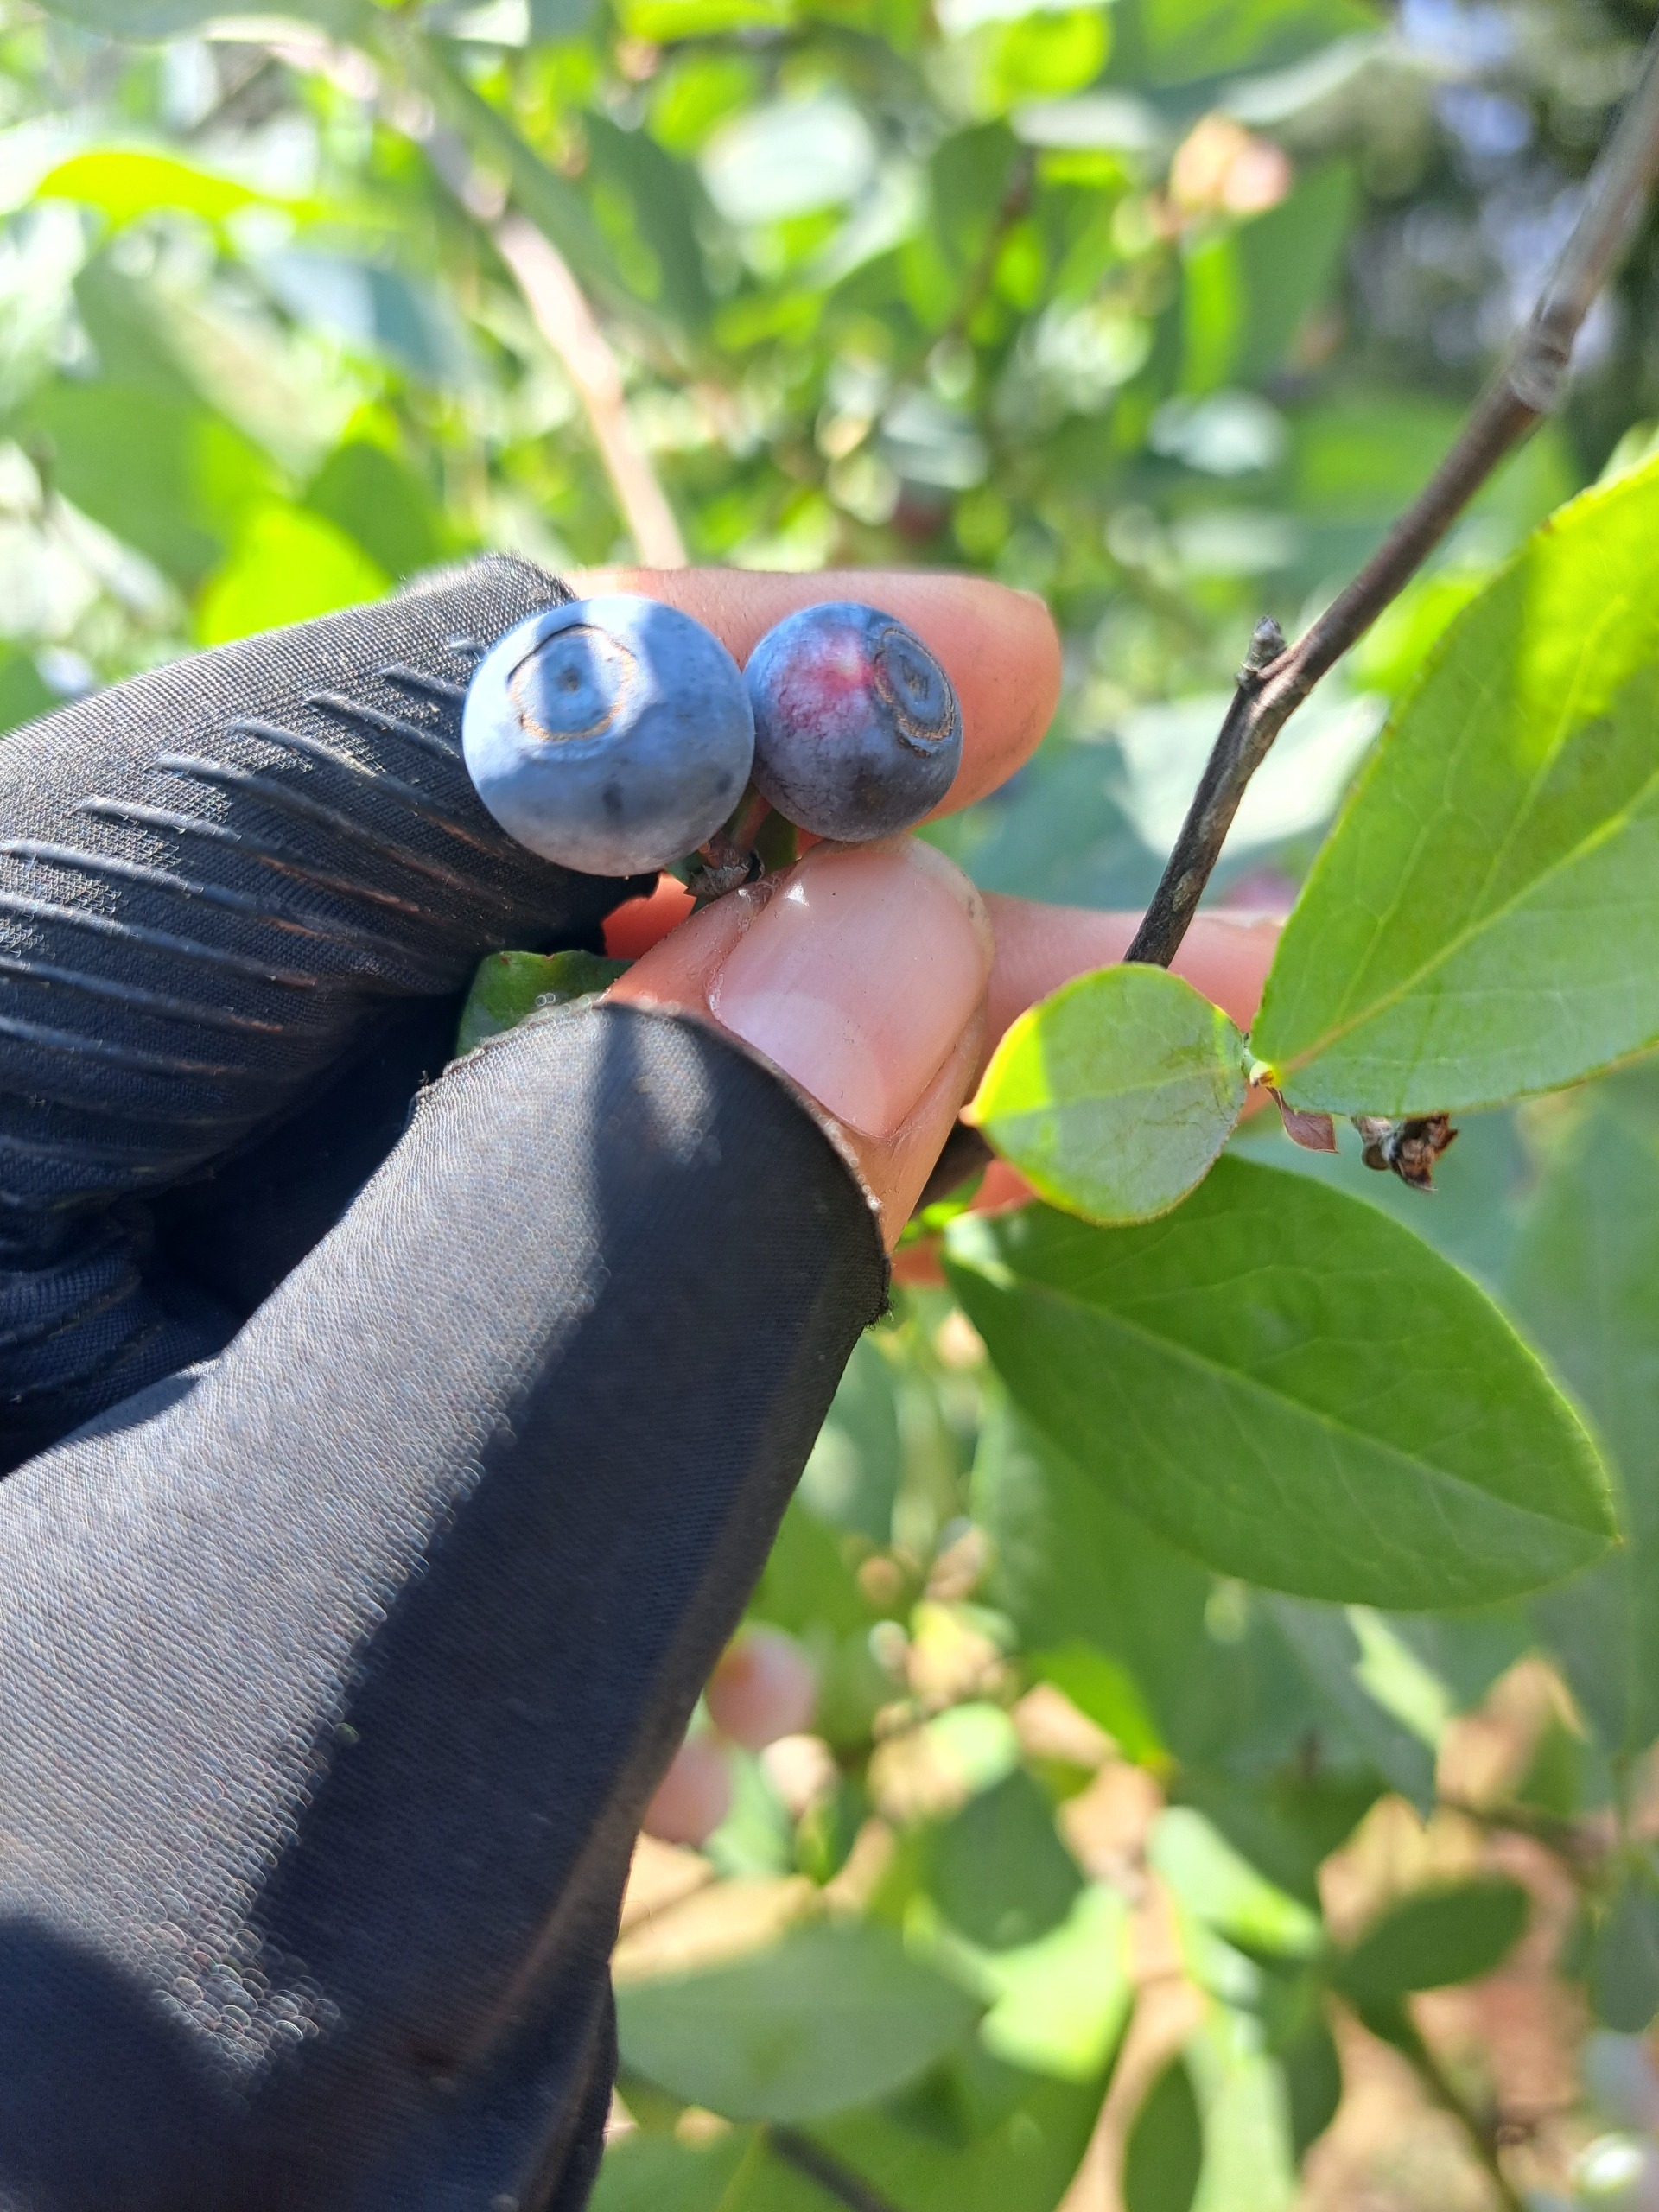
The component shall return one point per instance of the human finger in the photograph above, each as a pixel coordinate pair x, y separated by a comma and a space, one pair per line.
1223, 955
999, 646
861, 975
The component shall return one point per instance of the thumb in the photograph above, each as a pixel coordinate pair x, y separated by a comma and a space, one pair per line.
861, 975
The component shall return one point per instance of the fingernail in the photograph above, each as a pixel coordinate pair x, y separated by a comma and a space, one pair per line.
858, 976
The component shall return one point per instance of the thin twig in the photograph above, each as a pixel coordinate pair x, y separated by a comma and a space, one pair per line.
1529, 386
560, 310
1439, 2089
818, 2165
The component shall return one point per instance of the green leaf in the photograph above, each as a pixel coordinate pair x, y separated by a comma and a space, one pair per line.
1286, 1822
1485, 918
1001, 1876
1624, 1959
1105, 1690
127, 184
1287, 1385
138, 447
1114, 1095
1585, 1279
1058, 2004
1214, 1883
976, 2136
1073, 1568
24, 693
852, 1478
288, 566
139, 20
1433, 1938
831, 2016
1165, 2153
656, 2173
364, 491
510, 986
1313, 2070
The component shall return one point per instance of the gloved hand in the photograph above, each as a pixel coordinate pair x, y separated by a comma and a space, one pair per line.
432, 1455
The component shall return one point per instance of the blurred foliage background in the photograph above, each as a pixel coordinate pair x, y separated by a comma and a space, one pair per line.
1161, 308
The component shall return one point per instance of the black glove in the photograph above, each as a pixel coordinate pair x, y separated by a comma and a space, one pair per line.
338, 1669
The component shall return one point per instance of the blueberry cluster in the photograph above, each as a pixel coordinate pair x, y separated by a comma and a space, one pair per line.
616, 734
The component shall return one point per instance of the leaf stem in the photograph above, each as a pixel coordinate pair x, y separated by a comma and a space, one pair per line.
1530, 385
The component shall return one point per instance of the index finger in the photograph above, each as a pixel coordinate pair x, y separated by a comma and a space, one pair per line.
998, 646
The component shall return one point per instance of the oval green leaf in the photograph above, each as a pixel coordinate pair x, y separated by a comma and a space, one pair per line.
1437, 1937
828, 2017
1485, 919
1290, 1386
1164, 2157
1115, 1094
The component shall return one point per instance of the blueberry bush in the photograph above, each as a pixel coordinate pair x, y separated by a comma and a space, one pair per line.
1204, 1692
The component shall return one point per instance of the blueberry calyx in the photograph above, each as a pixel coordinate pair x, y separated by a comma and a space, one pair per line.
612, 735
857, 729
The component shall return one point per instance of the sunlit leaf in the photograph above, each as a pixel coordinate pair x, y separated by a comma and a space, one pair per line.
1115, 1094
1485, 919
1213, 1881
288, 565
509, 987
1288, 1386
1057, 2005
831, 2017
124, 185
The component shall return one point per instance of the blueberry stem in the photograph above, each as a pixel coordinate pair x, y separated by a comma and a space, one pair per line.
1530, 385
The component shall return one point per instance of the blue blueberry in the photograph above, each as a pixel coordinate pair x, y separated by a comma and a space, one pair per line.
857, 731
612, 735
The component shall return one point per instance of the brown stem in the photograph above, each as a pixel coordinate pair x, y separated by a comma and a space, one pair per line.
1430, 2073
818, 2165
559, 308
1529, 386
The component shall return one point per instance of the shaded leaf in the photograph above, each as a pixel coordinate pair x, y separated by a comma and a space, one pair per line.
832, 2016
1113, 1095
1073, 1568
364, 491
1624, 1959
1434, 1938
1585, 1279
156, 19
656, 2173
976, 2136
1001, 1876
1288, 1386
1485, 919
1165, 2153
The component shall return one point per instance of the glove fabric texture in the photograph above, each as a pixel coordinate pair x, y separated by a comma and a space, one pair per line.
341, 1648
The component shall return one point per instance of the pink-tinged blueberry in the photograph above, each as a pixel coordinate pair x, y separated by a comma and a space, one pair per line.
857, 730
612, 735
